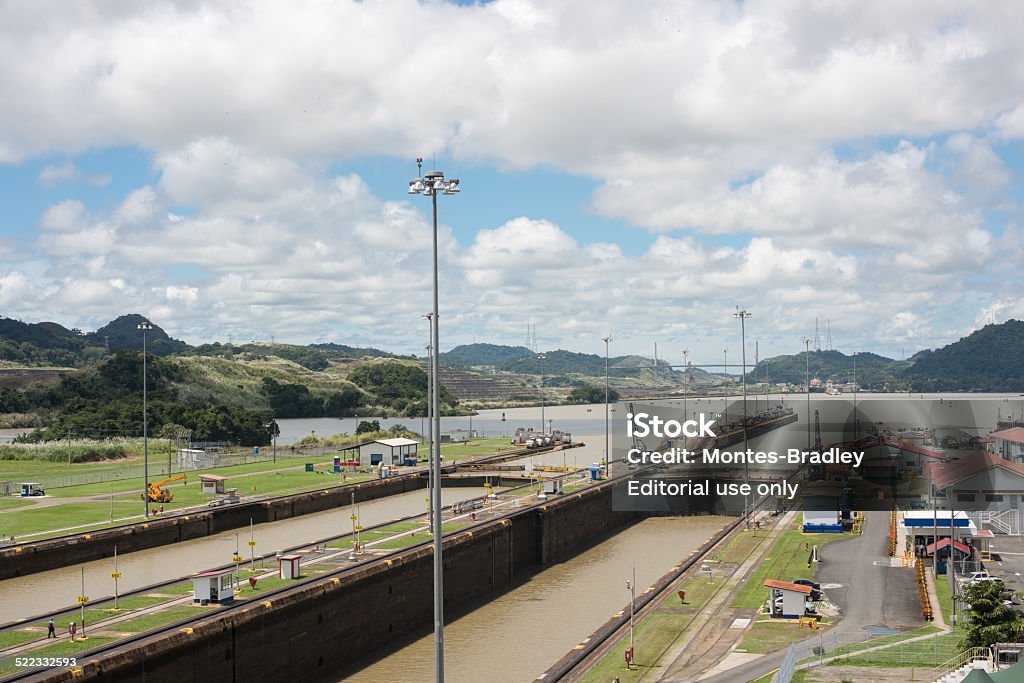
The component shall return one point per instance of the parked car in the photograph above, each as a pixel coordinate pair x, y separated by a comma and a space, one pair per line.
814, 586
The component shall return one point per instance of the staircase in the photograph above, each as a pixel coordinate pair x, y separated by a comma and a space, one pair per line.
958, 668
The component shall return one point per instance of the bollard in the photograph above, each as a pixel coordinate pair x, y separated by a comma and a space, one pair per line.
682, 597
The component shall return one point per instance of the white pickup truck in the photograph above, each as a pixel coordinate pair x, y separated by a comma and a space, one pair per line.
979, 576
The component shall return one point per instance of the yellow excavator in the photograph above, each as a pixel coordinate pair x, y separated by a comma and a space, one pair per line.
159, 495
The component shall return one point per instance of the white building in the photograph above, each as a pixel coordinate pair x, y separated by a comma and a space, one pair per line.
396, 451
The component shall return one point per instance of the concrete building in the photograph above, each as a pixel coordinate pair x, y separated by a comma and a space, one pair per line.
211, 483
787, 600
195, 459
920, 528
1009, 443
978, 481
396, 451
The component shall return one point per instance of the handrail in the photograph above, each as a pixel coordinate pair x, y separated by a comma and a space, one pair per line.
965, 657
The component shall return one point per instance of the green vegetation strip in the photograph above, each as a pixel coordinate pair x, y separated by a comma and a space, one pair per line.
656, 632
63, 648
157, 619
785, 561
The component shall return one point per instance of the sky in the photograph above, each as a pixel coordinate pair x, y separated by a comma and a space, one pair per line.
239, 171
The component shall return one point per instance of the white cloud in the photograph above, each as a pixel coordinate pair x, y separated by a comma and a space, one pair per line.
827, 160
53, 175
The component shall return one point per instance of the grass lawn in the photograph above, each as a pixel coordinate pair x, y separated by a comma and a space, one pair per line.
786, 560
178, 589
740, 546
96, 513
150, 621
766, 636
12, 638
103, 610
11, 503
928, 653
30, 521
61, 649
461, 451
652, 636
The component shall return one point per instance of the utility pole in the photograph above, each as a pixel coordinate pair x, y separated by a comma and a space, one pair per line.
743, 315
807, 385
607, 424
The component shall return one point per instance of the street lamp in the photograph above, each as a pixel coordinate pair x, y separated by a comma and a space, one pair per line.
430, 429
631, 587
743, 315
543, 428
856, 426
145, 327
725, 365
807, 386
431, 184
686, 383
607, 453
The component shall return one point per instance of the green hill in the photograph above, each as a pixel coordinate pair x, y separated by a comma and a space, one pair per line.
990, 359
469, 356
873, 371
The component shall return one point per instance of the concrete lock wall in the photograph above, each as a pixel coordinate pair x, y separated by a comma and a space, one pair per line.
29, 558
332, 623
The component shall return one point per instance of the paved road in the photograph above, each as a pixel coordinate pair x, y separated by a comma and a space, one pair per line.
871, 592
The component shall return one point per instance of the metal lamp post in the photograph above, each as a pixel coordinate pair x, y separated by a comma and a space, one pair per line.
431, 184
631, 587
686, 382
429, 317
145, 327
856, 426
543, 425
807, 386
725, 366
607, 452
743, 315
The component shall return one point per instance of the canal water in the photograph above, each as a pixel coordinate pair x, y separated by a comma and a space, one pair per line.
38, 593
517, 635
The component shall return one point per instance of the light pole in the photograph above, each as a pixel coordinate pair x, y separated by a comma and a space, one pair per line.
607, 453
807, 386
145, 327
631, 587
686, 383
725, 365
431, 184
543, 428
855, 422
430, 429
743, 315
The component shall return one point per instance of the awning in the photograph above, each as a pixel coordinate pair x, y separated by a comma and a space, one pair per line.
944, 543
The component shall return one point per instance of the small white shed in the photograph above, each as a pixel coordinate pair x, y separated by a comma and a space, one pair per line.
212, 483
793, 602
289, 566
216, 587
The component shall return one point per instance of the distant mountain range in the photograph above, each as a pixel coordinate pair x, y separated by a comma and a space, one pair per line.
990, 359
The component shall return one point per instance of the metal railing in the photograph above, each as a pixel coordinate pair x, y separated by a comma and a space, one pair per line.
963, 659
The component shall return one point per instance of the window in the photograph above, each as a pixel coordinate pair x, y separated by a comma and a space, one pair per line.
993, 498
965, 497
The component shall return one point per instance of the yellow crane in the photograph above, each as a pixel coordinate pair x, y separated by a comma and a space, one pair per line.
157, 494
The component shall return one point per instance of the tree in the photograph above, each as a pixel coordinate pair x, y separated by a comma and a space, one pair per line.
591, 394
989, 621
367, 427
